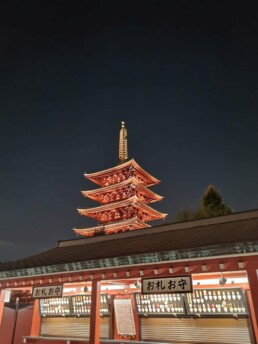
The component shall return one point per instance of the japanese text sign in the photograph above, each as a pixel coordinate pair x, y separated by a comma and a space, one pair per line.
47, 291
179, 284
124, 317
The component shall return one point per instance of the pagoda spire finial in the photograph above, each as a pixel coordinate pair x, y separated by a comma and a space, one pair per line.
123, 151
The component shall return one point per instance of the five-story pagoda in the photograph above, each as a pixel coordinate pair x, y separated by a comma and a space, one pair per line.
123, 196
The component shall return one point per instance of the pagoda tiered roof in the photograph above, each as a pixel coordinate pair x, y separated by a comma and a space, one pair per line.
121, 173
123, 196
122, 210
111, 228
118, 192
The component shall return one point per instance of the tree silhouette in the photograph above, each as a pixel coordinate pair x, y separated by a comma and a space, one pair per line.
211, 204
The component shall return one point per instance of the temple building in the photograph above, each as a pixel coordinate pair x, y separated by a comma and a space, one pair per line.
122, 281
123, 194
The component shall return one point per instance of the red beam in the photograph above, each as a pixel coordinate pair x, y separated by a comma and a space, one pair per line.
95, 313
194, 266
253, 300
36, 320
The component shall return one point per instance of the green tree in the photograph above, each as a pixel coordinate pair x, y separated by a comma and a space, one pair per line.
211, 204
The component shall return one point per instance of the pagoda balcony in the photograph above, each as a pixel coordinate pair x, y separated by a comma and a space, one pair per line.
123, 210
121, 173
121, 226
122, 191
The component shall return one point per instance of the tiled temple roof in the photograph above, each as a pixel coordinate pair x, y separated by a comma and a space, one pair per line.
223, 230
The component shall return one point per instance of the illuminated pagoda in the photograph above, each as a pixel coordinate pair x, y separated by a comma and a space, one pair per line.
123, 196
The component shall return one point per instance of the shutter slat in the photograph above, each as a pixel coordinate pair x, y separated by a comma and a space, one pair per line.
191, 330
72, 327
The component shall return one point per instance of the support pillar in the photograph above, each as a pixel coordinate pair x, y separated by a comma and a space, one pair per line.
35, 324
253, 285
2, 296
95, 313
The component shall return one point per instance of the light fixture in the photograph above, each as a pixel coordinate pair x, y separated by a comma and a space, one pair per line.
222, 280
85, 289
137, 284
204, 267
241, 265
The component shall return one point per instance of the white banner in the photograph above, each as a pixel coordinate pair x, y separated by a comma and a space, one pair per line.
124, 317
7, 296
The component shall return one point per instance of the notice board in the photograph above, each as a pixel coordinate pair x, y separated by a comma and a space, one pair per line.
124, 317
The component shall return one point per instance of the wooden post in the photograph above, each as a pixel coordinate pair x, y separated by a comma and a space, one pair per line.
95, 313
35, 324
2, 295
253, 284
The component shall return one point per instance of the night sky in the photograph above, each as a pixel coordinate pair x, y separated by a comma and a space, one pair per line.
182, 74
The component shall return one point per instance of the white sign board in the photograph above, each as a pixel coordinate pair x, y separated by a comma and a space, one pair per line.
179, 284
124, 317
47, 291
7, 296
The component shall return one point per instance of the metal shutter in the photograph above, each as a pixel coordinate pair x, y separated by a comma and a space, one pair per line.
72, 327
190, 330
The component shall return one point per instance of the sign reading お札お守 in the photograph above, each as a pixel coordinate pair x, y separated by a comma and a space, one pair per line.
164, 285
47, 291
